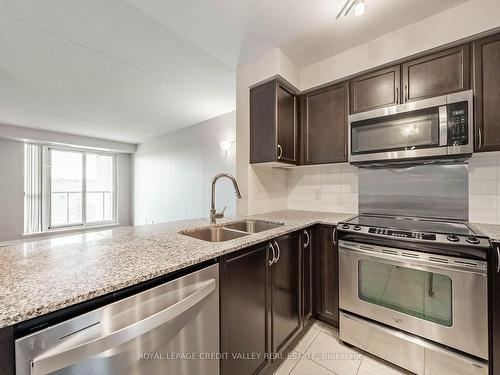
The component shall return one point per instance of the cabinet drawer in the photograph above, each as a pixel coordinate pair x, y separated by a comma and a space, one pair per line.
407, 351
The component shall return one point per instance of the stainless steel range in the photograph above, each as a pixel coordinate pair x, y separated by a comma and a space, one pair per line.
414, 291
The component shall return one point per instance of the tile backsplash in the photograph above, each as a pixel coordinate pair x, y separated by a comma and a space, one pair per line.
324, 188
334, 188
484, 188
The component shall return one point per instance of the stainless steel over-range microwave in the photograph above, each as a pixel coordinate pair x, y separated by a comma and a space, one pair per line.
429, 128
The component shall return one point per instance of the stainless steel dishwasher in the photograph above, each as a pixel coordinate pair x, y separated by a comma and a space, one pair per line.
172, 328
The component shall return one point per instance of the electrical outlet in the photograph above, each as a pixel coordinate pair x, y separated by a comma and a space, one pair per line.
317, 195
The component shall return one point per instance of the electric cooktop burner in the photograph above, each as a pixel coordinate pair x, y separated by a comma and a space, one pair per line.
414, 225
416, 230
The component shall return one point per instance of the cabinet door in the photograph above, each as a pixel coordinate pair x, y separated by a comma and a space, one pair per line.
375, 90
286, 291
494, 309
437, 74
487, 93
287, 125
324, 125
7, 352
327, 298
263, 123
244, 296
307, 272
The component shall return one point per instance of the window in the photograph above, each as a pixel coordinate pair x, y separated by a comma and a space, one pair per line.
78, 188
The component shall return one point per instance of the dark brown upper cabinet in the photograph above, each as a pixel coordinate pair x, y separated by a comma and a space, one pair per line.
487, 93
437, 74
273, 123
324, 125
375, 90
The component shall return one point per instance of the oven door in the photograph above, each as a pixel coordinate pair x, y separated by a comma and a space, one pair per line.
442, 299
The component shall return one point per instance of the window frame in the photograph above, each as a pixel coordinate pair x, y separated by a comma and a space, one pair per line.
47, 189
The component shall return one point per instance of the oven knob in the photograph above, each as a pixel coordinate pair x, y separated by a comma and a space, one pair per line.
357, 227
473, 240
345, 226
453, 238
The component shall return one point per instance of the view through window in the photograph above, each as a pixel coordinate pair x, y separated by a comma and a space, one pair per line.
82, 188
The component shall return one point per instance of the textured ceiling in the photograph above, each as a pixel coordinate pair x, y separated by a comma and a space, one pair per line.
131, 70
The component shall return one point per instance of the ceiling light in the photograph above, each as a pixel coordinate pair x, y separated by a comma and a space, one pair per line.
359, 7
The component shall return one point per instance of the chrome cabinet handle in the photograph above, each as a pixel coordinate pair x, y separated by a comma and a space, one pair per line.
279, 251
308, 239
274, 255
58, 359
333, 236
498, 259
280, 151
480, 140
345, 151
406, 93
397, 95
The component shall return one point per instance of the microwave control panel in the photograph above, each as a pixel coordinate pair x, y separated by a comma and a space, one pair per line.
458, 133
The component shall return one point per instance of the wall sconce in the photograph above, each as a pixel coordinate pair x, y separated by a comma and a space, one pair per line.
226, 145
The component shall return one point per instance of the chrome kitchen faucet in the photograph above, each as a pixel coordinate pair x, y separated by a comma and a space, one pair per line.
214, 215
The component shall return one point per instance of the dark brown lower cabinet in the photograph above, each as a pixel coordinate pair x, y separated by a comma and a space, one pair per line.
326, 275
7, 366
494, 309
307, 275
245, 298
260, 303
286, 291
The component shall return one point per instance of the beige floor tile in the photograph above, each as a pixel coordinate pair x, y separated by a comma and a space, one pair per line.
306, 367
288, 364
375, 366
307, 339
332, 331
332, 354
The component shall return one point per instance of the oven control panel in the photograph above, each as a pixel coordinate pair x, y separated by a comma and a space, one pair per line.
403, 234
457, 124
437, 238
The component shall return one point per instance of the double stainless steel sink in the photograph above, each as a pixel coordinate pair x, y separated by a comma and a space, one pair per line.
230, 231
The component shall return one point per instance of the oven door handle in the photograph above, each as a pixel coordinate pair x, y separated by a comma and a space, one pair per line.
63, 356
368, 251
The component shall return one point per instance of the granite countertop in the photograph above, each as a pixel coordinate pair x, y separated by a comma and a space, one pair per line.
43, 276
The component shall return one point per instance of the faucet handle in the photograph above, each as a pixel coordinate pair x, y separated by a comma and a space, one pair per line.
223, 210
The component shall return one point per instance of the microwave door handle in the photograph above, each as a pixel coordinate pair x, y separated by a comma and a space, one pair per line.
443, 126
58, 359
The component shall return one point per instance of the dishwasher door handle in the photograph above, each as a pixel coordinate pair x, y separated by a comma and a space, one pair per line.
58, 358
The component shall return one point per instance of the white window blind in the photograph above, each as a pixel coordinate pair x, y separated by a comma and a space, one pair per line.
32, 188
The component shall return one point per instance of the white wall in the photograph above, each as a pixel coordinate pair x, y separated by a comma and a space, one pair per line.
173, 173
12, 189
467, 19
18, 133
124, 165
